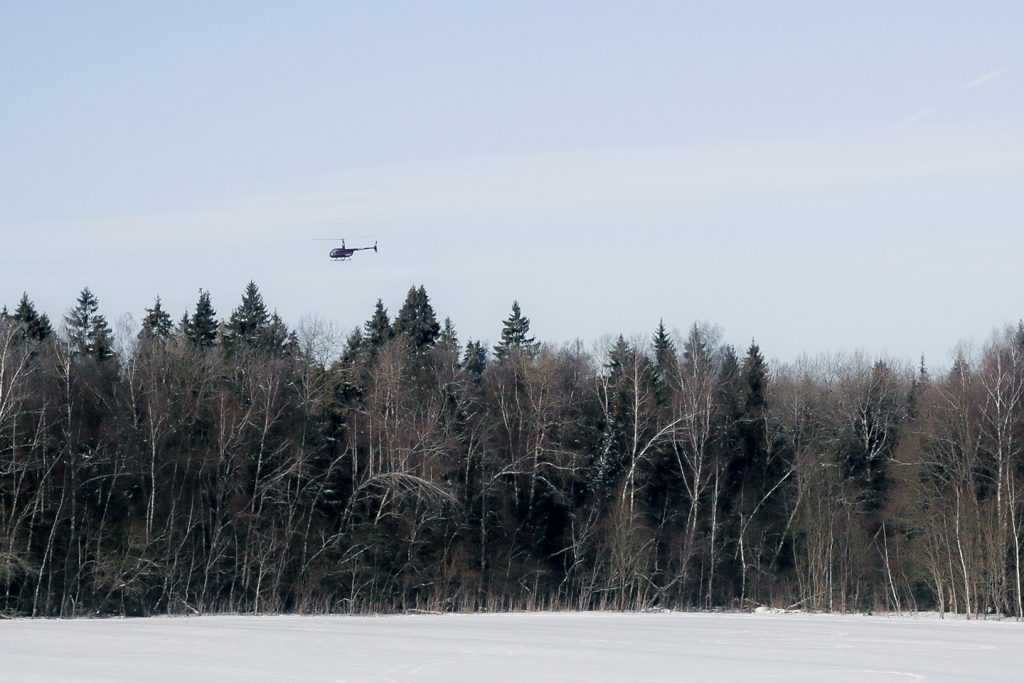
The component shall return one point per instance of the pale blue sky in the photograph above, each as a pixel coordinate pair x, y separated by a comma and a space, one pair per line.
820, 176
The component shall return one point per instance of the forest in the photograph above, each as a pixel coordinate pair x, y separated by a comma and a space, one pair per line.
238, 465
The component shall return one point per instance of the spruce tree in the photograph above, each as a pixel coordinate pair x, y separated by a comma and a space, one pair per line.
619, 357
664, 349
184, 326
665, 362
416, 321
76, 322
449, 338
695, 349
751, 463
247, 326
474, 360
277, 339
37, 325
157, 323
355, 350
202, 328
514, 336
377, 330
869, 442
102, 339
755, 381
87, 330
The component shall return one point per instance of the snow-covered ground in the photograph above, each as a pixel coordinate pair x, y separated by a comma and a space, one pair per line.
513, 647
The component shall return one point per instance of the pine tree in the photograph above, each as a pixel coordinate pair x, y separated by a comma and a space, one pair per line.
87, 330
202, 328
377, 330
514, 337
37, 325
247, 326
416, 321
157, 323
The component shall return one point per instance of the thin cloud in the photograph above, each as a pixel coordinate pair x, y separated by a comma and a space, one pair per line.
923, 114
987, 78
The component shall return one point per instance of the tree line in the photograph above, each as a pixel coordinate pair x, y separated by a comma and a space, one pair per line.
235, 464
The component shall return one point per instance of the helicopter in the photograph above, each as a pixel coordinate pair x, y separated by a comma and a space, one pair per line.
344, 253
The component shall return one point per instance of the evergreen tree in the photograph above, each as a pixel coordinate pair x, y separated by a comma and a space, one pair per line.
755, 382
868, 443
665, 362
474, 360
37, 325
416, 321
377, 330
202, 328
514, 336
619, 357
185, 326
728, 394
157, 323
355, 349
750, 464
87, 330
664, 350
102, 339
695, 349
277, 339
247, 326
449, 338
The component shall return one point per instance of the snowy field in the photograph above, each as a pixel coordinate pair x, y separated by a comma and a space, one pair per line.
513, 647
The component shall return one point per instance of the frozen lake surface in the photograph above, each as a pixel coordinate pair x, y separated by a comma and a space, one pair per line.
513, 647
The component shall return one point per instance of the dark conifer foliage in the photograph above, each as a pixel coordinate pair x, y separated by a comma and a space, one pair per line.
277, 339
37, 325
416, 322
157, 323
203, 327
406, 472
378, 330
249, 324
664, 350
474, 360
515, 336
666, 364
87, 330
449, 338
